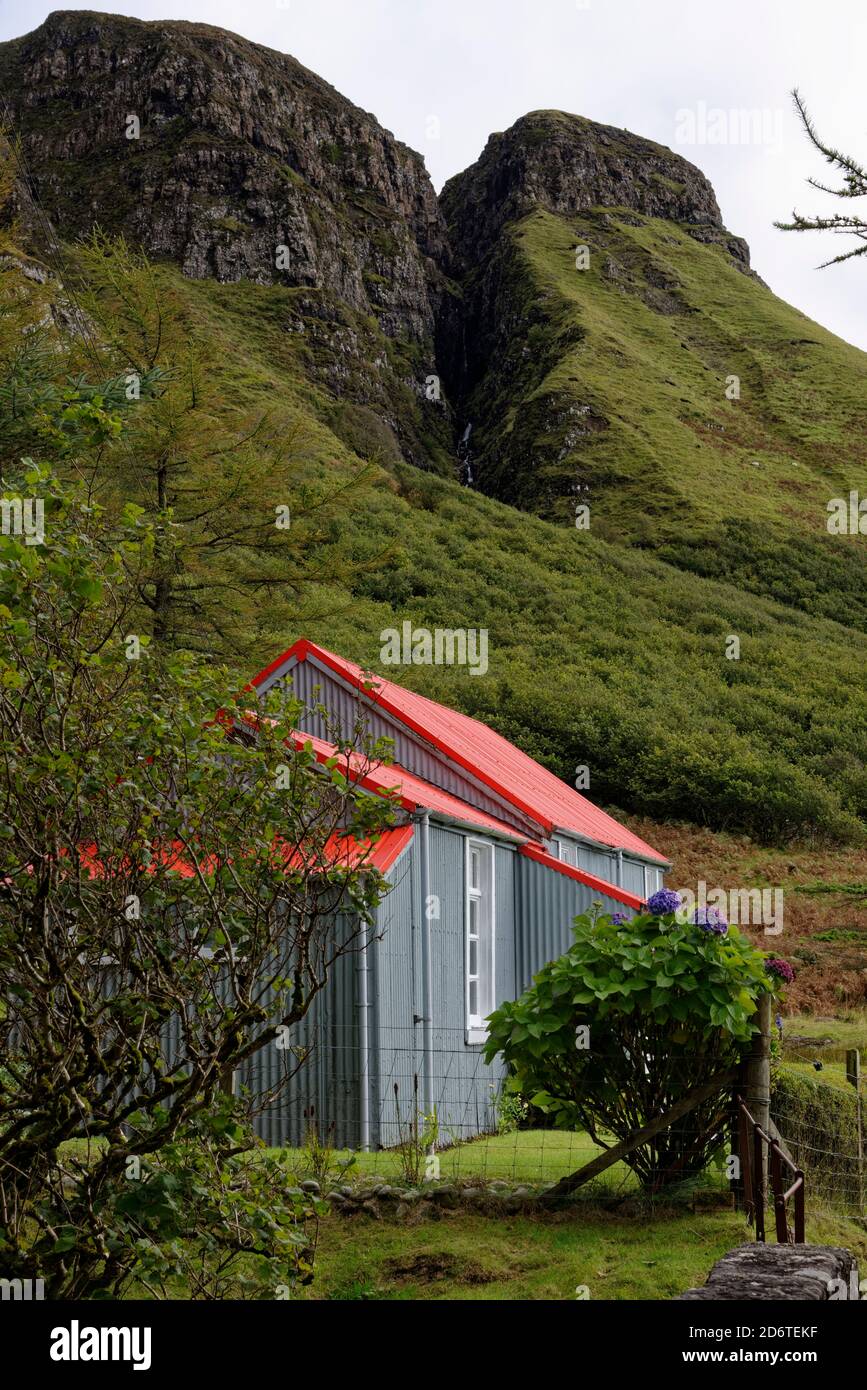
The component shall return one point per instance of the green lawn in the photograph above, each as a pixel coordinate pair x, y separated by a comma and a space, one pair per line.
464, 1256
533, 1156
833, 1038
613, 1241
832, 1073
631, 1253
849, 1031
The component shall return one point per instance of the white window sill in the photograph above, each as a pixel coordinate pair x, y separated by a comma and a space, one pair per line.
476, 1036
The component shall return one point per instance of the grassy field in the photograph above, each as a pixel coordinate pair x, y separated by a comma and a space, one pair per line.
611, 1243
464, 1256
531, 1156
838, 1033
630, 1253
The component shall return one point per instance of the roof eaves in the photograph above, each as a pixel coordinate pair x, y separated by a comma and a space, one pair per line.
611, 890
506, 834
656, 861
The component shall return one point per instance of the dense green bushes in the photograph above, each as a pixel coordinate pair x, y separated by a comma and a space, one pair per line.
634, 1016
617, 660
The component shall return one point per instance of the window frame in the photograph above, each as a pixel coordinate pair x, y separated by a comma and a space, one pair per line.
648, 870
486, 951
571, 846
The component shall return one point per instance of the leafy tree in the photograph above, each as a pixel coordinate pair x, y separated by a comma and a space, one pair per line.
223, 479
619, 1029
170, 884
854, 185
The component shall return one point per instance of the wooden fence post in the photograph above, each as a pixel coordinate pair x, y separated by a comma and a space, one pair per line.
758, 1094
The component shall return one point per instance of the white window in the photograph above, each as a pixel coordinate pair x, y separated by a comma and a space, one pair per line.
480, 939
568, 853
652, 881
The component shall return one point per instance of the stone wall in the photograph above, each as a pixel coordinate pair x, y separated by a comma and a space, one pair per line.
814, 1272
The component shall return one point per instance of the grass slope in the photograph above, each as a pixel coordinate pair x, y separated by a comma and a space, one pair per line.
621, 401
599, 654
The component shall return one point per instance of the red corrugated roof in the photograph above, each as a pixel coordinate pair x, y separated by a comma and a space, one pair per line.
391, 844
339, 851
345, 852
489, 757
413, 792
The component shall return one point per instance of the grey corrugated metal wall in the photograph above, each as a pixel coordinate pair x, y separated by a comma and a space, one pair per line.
464, 1086
597, 862
326, 1088
535, 907
344, 708
547, 903
396, 1043
602, 863
633, 877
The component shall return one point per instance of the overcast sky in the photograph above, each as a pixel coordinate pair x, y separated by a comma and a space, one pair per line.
443, 74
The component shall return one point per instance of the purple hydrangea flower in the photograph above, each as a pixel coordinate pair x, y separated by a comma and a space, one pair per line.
618, 918
780, 970
663, 902
710, 919
779, 1024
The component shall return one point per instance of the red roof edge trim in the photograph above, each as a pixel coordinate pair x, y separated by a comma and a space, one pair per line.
304, 648
386, 854
610, 890
299, 649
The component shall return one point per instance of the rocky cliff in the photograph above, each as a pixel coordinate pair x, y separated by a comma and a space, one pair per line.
238, 163
520, 368
565, 165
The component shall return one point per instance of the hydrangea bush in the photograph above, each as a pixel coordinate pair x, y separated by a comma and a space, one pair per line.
632, 1017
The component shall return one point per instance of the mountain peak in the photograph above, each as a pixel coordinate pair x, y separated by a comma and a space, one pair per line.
567, 164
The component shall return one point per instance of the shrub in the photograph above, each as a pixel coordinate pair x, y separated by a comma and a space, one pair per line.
621, 1027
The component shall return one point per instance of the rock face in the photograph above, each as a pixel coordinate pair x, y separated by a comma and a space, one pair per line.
238, 164
756, 1271
532, 442
566, 165
245, 166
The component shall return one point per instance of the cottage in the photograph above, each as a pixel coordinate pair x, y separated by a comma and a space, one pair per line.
493, 859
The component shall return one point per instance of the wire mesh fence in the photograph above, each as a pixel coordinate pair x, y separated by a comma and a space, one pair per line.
390, 1116
386, 1113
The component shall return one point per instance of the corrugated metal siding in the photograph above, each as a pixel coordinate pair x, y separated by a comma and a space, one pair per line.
344, 708
325, 1089
396, 1042
547, 903
535, 907
598, 863
506, 953
602, 864
633, 877
464, 1086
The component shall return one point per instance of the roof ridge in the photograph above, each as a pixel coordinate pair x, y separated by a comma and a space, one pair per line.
553, 806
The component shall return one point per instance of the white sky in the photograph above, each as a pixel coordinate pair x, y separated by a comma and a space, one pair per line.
477, 65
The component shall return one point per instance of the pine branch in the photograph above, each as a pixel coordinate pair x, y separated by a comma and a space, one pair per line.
854, 186
855, 176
